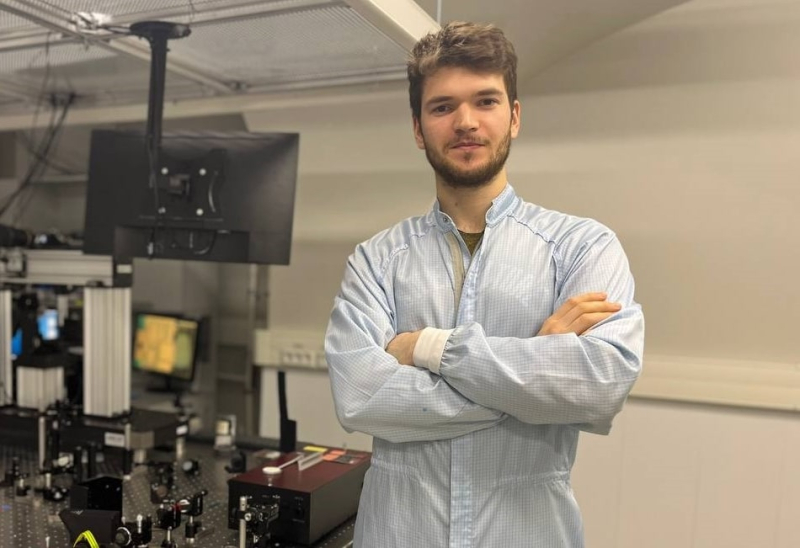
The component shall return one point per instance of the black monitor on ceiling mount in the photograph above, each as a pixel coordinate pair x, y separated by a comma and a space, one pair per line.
208, 196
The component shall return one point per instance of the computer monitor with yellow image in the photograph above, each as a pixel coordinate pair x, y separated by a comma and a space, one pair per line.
165, 345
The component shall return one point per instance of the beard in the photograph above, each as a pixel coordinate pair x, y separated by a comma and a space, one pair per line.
469, 177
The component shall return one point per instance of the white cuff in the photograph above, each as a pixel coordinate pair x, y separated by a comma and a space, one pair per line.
430, 347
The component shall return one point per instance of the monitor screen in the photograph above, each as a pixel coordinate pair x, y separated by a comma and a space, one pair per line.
206, 196
47, 323
165, 345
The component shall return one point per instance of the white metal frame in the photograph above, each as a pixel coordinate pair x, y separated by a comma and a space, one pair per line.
106, 351
6, 371
107, 321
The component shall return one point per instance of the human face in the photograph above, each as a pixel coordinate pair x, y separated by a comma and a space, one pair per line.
466, 126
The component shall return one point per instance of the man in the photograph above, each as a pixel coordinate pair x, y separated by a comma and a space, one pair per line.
475, 342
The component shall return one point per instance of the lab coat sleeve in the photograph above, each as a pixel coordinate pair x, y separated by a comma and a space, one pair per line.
558, 379
372, 392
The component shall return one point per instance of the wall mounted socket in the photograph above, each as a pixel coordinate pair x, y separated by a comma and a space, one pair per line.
290, 348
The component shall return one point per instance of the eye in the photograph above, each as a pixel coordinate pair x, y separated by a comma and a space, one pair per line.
440, 109
488, 102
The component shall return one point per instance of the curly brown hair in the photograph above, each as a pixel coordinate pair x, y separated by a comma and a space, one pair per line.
478, 47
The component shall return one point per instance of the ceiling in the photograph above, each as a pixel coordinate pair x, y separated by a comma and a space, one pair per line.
546, 31
235, 47
242, 49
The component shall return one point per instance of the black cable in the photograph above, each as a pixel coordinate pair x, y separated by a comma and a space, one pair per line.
24, 201
35, 165
54, 100
34, 169
47, 142
204, 251
50, 162
29, 176
45, 80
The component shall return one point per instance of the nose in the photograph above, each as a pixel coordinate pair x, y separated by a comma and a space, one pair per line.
465, 120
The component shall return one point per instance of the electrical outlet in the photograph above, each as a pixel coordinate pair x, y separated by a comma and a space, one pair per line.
289, 348
297, 357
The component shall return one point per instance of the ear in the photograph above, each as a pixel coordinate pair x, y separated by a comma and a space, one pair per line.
418, 133
515, 118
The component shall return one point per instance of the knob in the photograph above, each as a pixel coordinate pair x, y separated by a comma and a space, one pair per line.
122, 537
190, 467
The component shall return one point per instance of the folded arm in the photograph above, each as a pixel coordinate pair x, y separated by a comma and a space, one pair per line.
373, 393
560, 376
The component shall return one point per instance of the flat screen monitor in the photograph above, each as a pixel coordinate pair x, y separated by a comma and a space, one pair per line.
47, 324
206, 196
165, 345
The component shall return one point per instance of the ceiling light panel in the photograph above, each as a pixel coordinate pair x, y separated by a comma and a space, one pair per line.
127, 11
11, 23
326, 42
98, 76
121, 79
32, 62
236, 46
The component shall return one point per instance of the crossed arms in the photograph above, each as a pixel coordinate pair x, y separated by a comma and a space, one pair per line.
578, 315
577, 369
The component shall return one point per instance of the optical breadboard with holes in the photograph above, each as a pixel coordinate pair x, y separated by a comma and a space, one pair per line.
29, 521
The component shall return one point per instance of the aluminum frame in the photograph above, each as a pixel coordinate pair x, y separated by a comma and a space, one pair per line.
57, 267
107, 320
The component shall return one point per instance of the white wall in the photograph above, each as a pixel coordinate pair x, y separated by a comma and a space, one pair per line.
691, 476
681, 134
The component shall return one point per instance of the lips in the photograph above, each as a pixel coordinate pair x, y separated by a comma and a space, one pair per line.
467, 145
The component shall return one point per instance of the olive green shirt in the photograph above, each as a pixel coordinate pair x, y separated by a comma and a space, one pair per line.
471, 239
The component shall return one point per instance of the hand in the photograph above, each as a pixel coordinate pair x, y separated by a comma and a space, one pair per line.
402, 347
579, 314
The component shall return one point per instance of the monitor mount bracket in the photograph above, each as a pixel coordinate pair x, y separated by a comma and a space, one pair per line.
157, 33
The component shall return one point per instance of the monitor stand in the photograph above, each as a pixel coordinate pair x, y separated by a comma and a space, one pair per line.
172, 386
162, 385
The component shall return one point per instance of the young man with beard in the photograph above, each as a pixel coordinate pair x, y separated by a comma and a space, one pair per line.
474, 343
